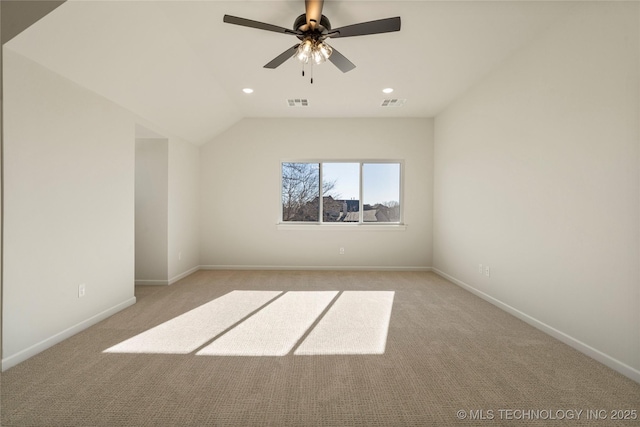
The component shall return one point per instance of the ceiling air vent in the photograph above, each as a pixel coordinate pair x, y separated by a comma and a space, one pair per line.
298, 102
393, 102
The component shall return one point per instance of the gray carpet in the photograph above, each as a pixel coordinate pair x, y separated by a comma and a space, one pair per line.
447, 351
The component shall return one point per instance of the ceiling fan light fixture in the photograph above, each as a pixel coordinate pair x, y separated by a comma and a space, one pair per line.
311, 49
321, 53
305, 50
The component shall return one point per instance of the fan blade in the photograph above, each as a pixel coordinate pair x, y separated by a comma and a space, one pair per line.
255, 24
341, 62
313, 10
364, 28
280, 59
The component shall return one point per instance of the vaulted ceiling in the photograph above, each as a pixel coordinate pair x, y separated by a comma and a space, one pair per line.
177, 64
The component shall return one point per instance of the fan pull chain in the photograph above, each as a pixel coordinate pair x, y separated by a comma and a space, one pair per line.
310, 72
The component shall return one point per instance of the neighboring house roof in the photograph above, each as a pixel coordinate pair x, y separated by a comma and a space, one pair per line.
368, 216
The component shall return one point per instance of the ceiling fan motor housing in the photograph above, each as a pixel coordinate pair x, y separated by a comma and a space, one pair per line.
300, 24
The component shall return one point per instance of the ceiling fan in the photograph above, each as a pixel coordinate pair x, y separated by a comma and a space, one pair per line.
312, 28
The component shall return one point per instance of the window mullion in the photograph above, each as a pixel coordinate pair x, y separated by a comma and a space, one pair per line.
321, 198
361, 209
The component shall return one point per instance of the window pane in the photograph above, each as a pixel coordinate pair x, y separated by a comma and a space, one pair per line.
381, 192
341, 192
300, 192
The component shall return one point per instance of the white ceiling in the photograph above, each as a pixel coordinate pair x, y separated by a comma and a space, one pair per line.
176, 63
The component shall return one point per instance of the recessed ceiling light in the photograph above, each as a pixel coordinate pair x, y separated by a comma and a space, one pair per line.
247, 90
388, 90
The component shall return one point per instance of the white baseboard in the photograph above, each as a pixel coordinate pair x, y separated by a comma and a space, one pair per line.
25, 354
143, 282
183, 275
313, 267
151, 282
601, 357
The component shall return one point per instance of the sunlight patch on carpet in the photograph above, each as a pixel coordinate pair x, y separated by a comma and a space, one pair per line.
357, 323
275, 329
272, 323
185, 333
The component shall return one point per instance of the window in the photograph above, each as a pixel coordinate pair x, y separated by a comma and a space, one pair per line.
381, 192
351, 192
341, 192
300, 188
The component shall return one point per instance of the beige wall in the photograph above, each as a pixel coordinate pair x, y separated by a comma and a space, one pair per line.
152, 202
167, 210
183, 216
68, 208
537, 176
240, 189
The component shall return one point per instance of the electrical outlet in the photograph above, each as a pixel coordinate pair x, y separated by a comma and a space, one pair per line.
341, 252
480, 269
81, 290
180, 255
487, 271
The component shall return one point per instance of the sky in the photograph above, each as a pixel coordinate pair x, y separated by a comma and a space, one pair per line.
381, 181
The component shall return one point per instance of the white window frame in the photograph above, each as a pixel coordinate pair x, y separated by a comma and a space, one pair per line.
360, 225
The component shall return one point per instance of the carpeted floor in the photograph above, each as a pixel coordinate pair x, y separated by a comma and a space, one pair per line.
451, 359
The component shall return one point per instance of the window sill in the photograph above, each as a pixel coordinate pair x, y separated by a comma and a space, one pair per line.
341, 227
